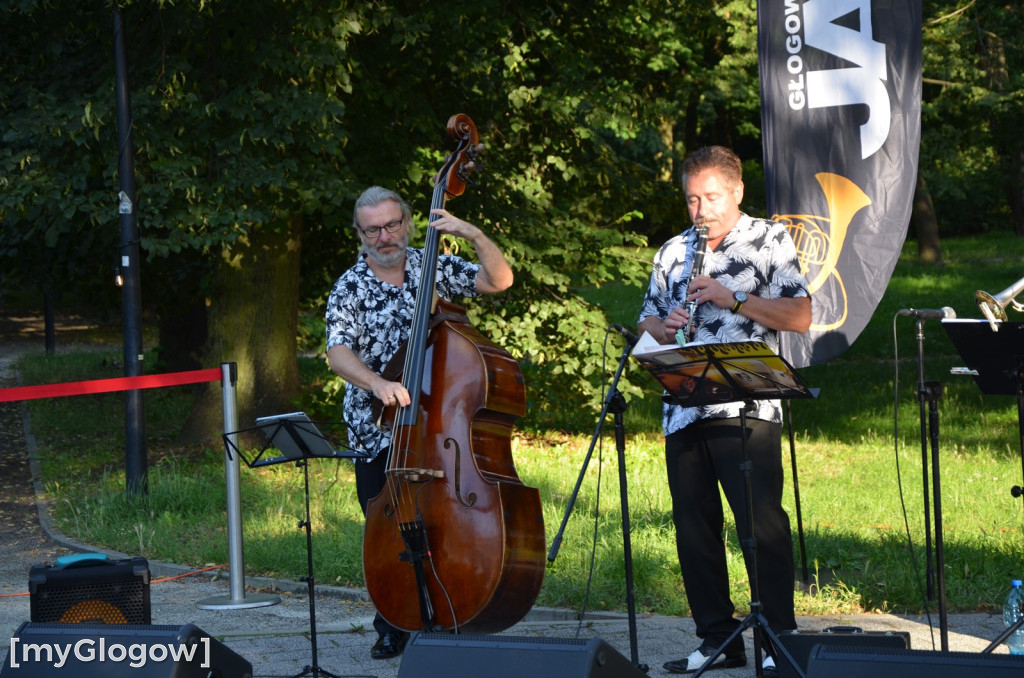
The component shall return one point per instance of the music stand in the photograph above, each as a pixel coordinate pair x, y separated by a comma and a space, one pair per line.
298, 439
706, 374
996, 361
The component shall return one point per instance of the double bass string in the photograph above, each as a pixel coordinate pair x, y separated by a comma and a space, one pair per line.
405, 418
402, 490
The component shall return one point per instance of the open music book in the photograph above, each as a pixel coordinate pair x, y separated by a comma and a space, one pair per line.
705, 374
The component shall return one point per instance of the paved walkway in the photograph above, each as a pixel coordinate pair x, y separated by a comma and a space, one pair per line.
277, 640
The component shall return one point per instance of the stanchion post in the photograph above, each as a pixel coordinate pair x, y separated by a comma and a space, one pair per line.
232, 482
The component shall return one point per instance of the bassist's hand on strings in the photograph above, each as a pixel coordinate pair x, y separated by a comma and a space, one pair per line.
391, 393
495, 274
446, 222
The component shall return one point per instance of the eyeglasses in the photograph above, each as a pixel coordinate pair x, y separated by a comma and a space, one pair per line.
373, 232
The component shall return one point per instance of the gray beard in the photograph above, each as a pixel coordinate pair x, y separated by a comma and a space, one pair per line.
389, 260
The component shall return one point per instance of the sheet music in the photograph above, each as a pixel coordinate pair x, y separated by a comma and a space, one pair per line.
280, 429
648, 344
708, 373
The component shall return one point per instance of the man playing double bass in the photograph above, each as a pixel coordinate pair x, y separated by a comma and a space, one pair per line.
369, 315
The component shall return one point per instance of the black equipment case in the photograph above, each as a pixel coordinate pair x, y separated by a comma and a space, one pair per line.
801, 643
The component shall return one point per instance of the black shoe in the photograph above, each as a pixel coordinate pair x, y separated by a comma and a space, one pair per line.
388, 645
768, 668
733, 657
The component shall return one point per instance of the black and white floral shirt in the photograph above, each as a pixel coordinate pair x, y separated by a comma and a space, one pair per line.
373, 319
758, 257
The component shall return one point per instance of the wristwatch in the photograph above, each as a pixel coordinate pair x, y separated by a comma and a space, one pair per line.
741, 298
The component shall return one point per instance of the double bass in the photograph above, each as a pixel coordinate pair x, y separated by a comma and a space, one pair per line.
455, 540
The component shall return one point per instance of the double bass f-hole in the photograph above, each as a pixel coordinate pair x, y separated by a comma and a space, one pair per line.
465, 501
421, 475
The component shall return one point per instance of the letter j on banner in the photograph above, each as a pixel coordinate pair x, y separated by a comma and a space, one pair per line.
841, 121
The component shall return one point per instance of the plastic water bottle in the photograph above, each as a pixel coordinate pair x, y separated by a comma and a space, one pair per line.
1011, 614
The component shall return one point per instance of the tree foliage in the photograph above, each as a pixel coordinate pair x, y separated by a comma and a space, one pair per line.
58, 211
972, 153
257, 122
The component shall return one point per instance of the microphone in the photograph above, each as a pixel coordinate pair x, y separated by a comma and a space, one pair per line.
631, 338
944, 313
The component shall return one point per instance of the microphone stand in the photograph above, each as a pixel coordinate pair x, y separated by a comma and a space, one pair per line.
616, 404
929, 392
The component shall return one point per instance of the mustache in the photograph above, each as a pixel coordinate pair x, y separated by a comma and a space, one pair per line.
374, 251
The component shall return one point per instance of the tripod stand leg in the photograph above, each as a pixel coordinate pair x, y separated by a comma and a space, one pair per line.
614, 403
1009, 631
934, 393
756, 621
627, 548
721, 648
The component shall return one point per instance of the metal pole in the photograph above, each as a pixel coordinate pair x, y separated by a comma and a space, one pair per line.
134, 415
922, 408
232, 482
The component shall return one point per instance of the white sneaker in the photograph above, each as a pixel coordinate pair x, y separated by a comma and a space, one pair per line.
731, 659
768, 666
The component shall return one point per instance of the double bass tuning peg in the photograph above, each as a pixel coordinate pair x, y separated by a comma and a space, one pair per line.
465, 170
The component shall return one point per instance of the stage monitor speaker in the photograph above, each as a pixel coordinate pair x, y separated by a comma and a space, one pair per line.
119, 651
800, 643
429, 655
91, 591
863, 662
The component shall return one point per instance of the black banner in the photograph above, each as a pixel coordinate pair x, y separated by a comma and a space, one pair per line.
841, 119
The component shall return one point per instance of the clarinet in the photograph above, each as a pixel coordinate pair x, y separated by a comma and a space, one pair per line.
683, 335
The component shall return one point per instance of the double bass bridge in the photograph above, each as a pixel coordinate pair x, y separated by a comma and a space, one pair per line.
415, 475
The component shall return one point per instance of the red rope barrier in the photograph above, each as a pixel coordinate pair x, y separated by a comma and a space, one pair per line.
73, 388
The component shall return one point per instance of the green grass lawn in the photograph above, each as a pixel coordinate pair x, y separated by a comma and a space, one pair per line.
861, 473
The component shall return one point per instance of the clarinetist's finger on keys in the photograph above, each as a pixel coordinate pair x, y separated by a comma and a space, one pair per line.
676, 318
700, 282
705, 289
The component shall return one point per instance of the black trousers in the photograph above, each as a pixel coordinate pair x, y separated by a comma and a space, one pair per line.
370, 480
699, 459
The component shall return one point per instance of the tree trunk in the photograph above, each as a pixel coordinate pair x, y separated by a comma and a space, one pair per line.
925, 224
176, 291
253, 320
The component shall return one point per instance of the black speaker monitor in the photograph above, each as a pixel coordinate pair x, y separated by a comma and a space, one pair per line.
429, 655
91, 591
862, 662
42, 650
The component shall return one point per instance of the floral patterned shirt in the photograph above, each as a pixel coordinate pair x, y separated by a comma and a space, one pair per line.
373, 319
758, 257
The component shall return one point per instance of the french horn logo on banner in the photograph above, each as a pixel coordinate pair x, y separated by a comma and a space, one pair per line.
841, 122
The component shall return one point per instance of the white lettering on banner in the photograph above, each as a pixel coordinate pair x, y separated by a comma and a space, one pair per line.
85, 650
795, 63
863, 83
